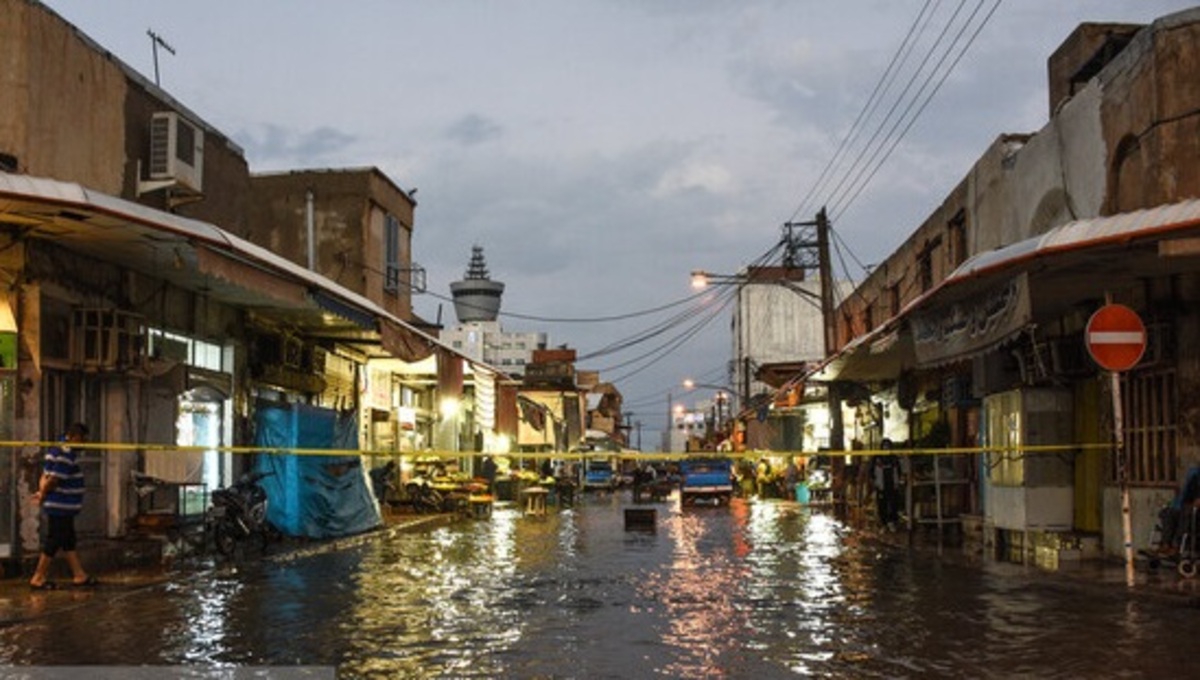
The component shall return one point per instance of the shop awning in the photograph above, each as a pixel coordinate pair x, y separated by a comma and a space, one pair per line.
199, 256
995, 295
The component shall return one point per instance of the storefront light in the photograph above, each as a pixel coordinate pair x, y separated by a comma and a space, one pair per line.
449, 407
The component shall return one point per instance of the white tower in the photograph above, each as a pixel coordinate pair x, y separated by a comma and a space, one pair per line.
476, 297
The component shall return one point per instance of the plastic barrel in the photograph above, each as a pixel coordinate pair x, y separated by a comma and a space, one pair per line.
801, 492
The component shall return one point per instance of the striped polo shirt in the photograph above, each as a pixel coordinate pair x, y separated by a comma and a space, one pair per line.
67, 496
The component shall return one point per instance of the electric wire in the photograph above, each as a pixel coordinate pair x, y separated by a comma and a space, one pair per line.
899, 58
595, 319
841, 209
855, 169
658, 353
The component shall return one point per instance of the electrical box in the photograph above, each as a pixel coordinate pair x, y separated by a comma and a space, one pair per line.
1026, 489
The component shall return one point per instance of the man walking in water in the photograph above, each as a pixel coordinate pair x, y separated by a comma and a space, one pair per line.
60, 493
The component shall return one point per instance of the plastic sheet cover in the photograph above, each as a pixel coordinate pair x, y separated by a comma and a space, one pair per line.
313, 496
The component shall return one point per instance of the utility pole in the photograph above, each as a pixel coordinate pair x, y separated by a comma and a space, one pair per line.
837, 435
667, 429
826, 273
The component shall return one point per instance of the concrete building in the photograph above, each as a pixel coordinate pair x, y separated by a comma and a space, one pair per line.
978, 319
140, 305
486, 341
778, 333
353, 226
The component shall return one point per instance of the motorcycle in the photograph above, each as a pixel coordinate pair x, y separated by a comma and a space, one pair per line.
239, 512
423, 497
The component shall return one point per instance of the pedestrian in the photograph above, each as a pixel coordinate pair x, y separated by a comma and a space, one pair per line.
488, 471
763, 477
886, 469
383, 481
60, 495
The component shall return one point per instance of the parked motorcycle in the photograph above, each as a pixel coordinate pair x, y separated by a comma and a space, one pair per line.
239, 512
423, 497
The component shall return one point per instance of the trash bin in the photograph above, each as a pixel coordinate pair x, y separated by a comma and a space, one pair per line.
801, 492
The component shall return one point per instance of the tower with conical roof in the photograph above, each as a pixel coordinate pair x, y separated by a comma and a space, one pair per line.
476, 297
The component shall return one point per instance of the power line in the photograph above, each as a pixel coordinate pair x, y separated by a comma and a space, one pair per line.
970, 41
856, 166
596, 319
881, 87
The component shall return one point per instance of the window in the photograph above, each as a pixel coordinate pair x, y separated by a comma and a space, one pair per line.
1151, 430
958, 238
198, 353
925, 263
391, 255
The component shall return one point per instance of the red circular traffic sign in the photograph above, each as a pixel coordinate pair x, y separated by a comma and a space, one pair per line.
1115, 337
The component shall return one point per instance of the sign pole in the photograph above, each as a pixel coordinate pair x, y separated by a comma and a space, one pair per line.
1116, 339
1122, 476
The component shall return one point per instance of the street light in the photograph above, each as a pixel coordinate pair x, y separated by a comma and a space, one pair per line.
720, 397
702, 279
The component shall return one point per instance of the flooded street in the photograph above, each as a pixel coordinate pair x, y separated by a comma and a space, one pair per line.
756, 590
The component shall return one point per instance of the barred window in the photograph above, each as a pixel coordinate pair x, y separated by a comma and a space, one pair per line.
1150, 405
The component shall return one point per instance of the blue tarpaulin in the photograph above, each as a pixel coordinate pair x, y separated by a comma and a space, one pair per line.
314, 496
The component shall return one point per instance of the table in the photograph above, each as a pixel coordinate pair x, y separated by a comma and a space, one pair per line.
535, 500
480, 506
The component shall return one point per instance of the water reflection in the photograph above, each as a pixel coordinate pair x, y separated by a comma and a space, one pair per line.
754, 589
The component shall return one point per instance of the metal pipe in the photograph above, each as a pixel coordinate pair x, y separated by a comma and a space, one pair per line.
310, 230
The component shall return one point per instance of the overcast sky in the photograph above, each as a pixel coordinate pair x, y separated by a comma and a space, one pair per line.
601, 150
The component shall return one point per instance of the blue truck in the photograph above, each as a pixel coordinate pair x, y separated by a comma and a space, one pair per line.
705, 480
598, 474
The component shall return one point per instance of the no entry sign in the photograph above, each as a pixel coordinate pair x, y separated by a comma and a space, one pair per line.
1115, 337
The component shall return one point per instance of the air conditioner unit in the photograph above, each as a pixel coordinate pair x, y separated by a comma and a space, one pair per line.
176, 150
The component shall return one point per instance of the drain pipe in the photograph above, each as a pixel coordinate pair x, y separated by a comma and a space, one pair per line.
310, 229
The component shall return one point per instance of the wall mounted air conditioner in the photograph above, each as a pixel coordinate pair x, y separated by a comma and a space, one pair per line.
176, 150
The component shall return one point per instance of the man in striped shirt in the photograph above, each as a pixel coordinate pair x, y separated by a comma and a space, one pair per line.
60, 493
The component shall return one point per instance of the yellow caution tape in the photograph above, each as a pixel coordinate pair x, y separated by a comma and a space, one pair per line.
561, 455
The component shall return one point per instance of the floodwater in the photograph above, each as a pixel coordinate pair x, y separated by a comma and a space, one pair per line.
754, 590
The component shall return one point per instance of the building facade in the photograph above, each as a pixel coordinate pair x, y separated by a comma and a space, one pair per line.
149, 300
974, 328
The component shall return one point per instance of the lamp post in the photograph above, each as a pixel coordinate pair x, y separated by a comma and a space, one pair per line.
720, 398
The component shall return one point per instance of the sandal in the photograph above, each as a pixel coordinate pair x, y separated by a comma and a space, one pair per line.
44, 585
89, 582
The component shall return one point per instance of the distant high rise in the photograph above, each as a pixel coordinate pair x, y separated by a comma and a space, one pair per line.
476, 297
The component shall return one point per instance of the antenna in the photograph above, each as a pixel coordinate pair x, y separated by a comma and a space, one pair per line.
155, 41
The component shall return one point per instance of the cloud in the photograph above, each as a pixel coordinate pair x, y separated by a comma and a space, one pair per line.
473, 129
692, 176
271, 146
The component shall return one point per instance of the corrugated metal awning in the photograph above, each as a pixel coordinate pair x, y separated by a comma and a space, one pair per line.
1068, 266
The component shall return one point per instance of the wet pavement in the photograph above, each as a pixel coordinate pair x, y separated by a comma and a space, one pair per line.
765, 589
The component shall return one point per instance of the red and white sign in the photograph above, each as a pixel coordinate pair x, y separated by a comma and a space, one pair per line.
1115, 337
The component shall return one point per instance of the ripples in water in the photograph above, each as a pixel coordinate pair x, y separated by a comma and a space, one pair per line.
751, 590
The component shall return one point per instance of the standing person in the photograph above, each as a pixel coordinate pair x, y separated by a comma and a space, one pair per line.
60, 494
886, 472
488, 470
383, 481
